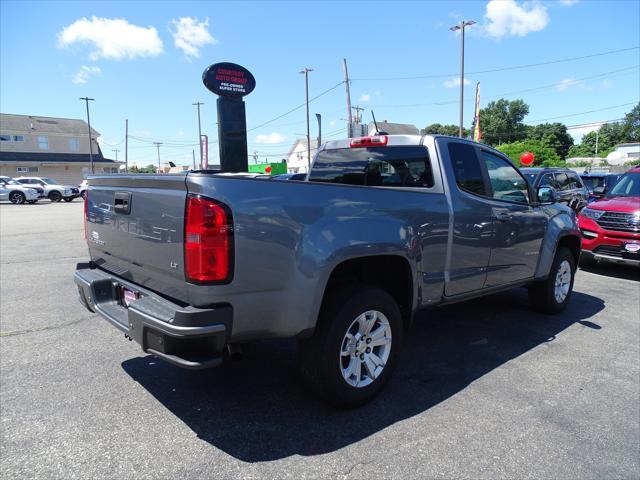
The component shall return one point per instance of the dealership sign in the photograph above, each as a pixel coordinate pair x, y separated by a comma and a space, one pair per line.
229, 80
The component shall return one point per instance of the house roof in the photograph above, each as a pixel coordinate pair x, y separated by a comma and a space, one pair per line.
395, 128
303, 141
35, 124
53, 157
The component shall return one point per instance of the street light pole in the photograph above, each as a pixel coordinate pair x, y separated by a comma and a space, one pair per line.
306, 87
197, 104
461, 27
157, 144
87, 100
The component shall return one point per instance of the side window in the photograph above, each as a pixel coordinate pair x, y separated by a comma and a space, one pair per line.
546, 181
563, 181
466, 168
506, 183
575, 180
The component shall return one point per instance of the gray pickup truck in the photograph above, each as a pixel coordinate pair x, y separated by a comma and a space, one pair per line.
191, 266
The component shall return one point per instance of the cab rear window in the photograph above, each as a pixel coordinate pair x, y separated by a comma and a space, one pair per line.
401, 166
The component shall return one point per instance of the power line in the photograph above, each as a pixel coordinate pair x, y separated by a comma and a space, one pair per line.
544, 87
502, 69
582, 113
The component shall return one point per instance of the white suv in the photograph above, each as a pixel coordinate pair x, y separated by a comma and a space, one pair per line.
52, 189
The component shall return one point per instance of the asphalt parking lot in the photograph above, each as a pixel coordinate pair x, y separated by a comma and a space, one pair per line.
486, 389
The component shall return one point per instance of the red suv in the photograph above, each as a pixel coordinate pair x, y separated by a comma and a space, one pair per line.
611, 226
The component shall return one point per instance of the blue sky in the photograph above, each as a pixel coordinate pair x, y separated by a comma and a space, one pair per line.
144, 60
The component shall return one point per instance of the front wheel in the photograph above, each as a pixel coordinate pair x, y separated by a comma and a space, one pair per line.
17, 198
55, 196
354, 349
552, 295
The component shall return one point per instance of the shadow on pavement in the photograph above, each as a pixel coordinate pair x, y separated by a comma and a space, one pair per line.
257, 409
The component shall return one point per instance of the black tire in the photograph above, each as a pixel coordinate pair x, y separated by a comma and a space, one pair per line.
32, 201
321, 362
55, 196
17, 198
68, 199
542, 295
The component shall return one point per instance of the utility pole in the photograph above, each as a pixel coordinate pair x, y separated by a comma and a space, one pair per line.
116, 152
461, 27
87, 100
596, 143
348, 90
157, 144
358, 109
306, 85
197, 104
193, 153
126, 146
319, 118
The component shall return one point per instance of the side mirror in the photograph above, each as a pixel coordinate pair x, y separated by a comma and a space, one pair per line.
547, 195
600, 190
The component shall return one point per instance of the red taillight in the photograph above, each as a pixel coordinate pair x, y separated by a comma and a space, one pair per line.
86, 215
208, 241
377, 141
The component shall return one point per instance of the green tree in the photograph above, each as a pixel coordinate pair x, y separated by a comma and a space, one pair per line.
544, 154
554, 135
501, 121
151, 168
439, 129
606, 138
632, 125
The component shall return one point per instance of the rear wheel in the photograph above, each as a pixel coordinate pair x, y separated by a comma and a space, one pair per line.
552, 295
55, 196
354, 349
68, 199
17, 198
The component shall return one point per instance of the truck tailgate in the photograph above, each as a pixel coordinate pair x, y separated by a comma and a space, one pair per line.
135, 229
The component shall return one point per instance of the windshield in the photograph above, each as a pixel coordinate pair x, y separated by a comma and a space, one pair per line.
627, 186
9, 181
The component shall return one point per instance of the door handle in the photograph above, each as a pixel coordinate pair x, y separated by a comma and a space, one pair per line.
503, 216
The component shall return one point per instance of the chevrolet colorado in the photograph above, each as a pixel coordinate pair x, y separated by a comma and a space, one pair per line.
194, 264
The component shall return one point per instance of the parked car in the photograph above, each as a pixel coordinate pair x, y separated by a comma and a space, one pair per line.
191, 265
610, 226
53, 190
82, 188
567, 184
599, 183
17, 193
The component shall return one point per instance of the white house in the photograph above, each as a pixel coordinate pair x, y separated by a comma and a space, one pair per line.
297, 158
624, 153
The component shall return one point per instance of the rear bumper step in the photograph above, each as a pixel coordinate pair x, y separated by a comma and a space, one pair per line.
188, 337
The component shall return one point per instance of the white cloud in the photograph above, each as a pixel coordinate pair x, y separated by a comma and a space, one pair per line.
509, 18
180, 133
567, 83
455, 82
568, 3
332, 123
377, 93
365, 97
112, 38
271, 138
189, 35
85, 72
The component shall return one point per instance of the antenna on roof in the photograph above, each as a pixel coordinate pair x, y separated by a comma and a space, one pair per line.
378, 132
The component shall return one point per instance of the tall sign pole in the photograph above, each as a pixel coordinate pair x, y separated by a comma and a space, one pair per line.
157, 144
348, 90
126, 146
461, 27
197, 104
305, 72
231, 82
87, 100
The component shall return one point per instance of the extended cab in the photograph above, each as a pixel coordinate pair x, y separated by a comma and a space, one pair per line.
189, 265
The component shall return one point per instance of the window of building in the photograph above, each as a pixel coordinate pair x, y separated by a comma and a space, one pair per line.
74, 144
110, 169
18, 138
5, 138
466, 168
27, 169
43, 143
